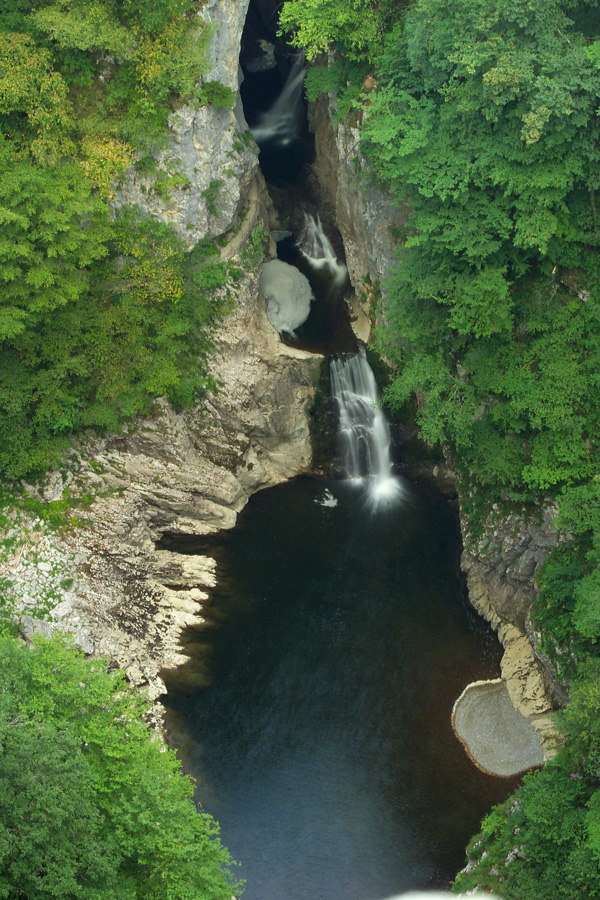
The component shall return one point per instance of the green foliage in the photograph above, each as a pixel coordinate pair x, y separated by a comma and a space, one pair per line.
255, 248
97, 316
166, 182
211, 195
355, 27
484, 123
53, 230
568, 607
34, 105
553, 819
343, 78
123, 64
134, 325
213, 93
91, 805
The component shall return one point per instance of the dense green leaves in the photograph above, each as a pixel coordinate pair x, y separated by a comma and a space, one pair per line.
121, 63
356, 27
98, 314
485, 125
91, 806
132, 325
52, 230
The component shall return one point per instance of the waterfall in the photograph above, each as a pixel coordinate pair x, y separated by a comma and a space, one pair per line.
316, 247
363, 429
281, 124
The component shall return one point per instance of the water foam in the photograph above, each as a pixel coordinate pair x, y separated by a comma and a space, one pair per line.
281, 124
363, 431
316, 247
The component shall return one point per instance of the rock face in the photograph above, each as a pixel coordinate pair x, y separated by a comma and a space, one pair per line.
497, 738
500, 570
364, 214
182, 473
208, 149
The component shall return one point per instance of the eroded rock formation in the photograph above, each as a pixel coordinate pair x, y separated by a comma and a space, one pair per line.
500, 569
103, 578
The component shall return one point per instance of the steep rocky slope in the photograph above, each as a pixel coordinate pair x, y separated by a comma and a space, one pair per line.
103, 578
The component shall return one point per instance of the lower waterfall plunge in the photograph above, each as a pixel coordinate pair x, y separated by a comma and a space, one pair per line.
363, 428
316, 709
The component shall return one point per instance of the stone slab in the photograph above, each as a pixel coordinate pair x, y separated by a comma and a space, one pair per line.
497, 738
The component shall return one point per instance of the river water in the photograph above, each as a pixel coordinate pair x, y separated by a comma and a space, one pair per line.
337, 641
340, 639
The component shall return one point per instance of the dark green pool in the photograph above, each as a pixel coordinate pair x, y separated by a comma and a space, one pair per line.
323, 745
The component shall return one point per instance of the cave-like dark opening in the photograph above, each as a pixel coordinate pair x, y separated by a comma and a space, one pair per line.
266, 60
277, 114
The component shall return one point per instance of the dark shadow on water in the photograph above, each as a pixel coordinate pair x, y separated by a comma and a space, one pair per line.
340, 639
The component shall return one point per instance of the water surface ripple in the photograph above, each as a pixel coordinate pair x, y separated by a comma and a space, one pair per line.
323, 746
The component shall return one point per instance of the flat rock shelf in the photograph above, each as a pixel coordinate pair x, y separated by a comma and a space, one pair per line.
496, 736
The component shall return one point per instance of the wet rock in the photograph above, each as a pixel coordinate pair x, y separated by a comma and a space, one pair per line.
500, 570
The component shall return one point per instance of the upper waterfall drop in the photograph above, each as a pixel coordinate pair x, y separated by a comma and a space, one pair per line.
317, 248
281, 124
363, 428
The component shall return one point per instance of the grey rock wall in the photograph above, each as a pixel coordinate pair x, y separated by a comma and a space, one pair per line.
364, 214
500, 570
205, 145
186, 473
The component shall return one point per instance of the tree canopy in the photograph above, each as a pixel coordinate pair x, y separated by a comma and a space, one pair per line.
91, 805
100, 311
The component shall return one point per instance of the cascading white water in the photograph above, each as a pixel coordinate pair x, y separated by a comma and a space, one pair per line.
281, 124
363, 429
316, 247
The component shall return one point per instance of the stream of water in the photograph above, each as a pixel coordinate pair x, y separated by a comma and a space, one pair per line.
338, 638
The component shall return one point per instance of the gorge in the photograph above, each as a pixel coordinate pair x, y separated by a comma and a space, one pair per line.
315, 709
264, 561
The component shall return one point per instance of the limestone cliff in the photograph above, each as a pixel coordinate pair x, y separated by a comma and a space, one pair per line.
209, 148
364, 214
180, 472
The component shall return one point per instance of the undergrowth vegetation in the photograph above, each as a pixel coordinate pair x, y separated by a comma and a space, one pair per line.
482, 118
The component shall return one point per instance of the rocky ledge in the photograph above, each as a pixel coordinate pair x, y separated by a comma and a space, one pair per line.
500, 570
103, 577
498, 739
